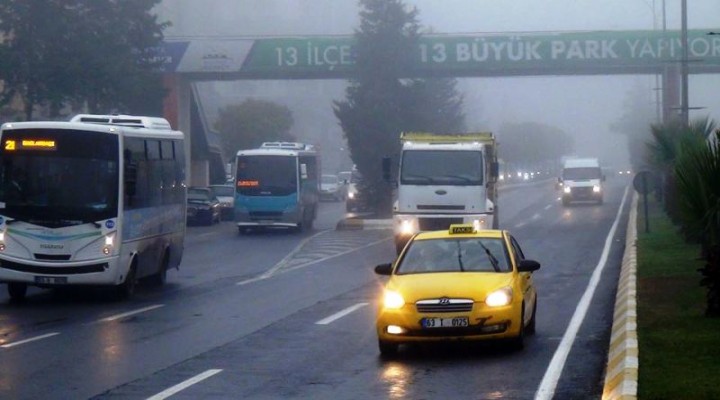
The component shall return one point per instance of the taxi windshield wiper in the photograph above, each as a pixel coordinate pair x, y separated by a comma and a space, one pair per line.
491, 257
459, 252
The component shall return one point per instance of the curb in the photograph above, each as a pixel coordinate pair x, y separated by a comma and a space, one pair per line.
621, 373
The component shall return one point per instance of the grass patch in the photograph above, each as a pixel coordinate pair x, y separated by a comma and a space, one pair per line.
679, 346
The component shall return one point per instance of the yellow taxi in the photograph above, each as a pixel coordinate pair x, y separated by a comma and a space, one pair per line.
459, 284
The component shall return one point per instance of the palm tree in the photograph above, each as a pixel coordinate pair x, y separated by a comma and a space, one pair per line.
697, 169
663, 152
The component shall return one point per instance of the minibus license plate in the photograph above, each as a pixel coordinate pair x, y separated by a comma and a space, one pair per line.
51, 280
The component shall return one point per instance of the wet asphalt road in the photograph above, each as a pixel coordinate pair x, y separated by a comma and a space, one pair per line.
256, 317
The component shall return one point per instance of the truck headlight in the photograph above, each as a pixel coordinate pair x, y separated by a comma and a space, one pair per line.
393, 300
407, 227
596, 188
478, 224
499, 298
351, 195
566, 189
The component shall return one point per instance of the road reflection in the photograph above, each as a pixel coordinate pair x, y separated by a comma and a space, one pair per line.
397, 377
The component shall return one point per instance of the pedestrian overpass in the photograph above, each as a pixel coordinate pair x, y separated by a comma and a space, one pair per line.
466, 55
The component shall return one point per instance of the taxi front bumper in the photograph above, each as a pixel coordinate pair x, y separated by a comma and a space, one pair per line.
483, 323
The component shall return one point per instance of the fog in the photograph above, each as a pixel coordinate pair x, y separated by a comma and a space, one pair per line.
585, 106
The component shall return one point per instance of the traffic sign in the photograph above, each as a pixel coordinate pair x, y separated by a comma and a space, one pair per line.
641, 182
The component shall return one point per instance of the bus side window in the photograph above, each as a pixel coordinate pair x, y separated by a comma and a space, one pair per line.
130, 175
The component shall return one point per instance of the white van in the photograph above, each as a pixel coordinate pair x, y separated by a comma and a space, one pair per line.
582, 180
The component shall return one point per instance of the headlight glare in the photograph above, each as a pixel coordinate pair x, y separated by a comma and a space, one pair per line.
407, 227
596, 188
499, 298
393, 300
566, 189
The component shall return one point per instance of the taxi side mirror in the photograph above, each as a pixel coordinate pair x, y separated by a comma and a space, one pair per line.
384, 269
528, 266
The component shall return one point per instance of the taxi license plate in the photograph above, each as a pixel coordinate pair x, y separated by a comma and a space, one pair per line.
51, 280
458, 322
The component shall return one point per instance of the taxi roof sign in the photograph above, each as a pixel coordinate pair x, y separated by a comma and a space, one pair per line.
458, 229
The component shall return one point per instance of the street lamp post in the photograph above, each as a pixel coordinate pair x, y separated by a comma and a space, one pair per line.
657, 87
684, 106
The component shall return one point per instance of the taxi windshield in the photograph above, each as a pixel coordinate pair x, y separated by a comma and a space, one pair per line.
455, 255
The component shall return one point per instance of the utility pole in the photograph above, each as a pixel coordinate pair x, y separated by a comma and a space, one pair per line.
684, 106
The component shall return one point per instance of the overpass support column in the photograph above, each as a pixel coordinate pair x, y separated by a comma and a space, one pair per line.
184, 122
176, 109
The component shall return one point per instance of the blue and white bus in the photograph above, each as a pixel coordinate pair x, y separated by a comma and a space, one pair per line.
99, 200
276, 185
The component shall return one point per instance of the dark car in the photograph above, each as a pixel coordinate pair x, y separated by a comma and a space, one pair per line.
226, 196
355, 200
203, 207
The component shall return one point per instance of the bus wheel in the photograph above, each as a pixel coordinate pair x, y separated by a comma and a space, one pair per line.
17, 290
126, 289
308, 222
160, 278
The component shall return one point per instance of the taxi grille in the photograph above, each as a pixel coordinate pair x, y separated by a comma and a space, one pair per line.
444, 305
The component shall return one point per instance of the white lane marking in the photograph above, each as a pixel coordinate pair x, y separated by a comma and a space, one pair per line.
547, 207
536, 216
184, 384
341, 314
282, 262
335, 255
18, 343
207, 234
520, 225
129, 313
552, 375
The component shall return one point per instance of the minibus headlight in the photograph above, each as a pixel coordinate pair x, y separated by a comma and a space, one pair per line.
109, 240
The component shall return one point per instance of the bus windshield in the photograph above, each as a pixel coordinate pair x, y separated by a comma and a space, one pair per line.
55, 178
267, 175
441, 167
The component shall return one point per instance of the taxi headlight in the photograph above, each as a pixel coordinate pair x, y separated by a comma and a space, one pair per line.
393, 300
596, 188
566, 189
499, 298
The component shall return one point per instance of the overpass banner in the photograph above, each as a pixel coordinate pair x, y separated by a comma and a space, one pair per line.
605, 52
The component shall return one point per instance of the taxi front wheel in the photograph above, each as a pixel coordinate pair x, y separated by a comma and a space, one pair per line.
531, 325
518, 342
387, 348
